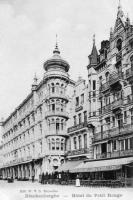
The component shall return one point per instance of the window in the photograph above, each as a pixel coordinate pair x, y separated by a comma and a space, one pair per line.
114, 144
80, 141
57, 125
75, 120
80, 120
94, 85
100, 81
125, 116
119, 44
85, 116
40, 125
131, 143
113, 120
62, 144
75, 142
62, 124
107, 76
85, 141
82, 98
126, 144
57, 144
122, 145
53, 144
53, 88
77, 101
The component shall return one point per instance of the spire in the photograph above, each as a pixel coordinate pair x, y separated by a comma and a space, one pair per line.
94, 54
56, 50
120, 11
111, 33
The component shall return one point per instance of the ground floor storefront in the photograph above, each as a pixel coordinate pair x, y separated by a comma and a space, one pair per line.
111, 173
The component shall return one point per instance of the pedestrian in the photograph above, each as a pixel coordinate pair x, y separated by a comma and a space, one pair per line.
59, 176
77, 181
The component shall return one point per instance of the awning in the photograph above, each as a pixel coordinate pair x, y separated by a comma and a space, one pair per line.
69, 165
102, 165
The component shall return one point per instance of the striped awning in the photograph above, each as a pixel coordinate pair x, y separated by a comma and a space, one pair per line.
102, 165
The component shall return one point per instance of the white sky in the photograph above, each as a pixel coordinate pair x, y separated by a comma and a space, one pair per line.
27, 39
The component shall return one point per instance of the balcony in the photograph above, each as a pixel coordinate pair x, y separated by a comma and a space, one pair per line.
104, 87
105, 109
57, 95
114, 78
129, 74
78, 152
57, 113
114, 154
128, 128
117, 104
77, 127
78, 108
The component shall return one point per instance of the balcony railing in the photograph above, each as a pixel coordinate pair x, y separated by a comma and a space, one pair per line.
78, 152
119, 153
113, 78
105, 109
117, 104
57, 113
128, 128
129, 73
78, 108
57, 95
77, 127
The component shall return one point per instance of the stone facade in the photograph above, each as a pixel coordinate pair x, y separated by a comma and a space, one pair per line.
64, 120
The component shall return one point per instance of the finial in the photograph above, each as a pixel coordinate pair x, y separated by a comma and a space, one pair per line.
35, 79
94, 39
56, 41
56, 50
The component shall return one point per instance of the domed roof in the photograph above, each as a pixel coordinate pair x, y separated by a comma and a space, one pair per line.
56, 59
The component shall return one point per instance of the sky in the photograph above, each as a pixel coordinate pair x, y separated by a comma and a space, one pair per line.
28, 31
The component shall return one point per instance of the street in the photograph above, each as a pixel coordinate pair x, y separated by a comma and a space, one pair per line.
20, 190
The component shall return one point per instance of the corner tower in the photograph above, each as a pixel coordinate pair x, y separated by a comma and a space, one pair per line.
56, 78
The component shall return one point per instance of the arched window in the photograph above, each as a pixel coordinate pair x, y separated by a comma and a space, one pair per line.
57, 144
107, 76
57, 125
62, 124
49, 144
53, 87
62, 89
53, 143
57, 87
57, 105
62, 144
119, 44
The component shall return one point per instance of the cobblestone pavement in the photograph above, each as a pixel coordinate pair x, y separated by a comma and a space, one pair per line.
21, 190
